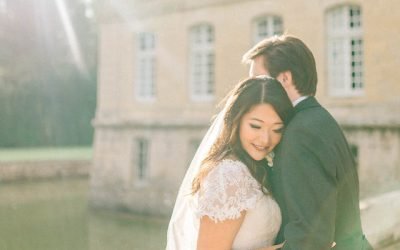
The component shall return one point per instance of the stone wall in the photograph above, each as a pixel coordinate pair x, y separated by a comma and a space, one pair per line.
381, 219
114, 177
377, 152
30, 170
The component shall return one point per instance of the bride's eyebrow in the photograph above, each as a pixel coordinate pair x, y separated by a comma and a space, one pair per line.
256, 119
259, 120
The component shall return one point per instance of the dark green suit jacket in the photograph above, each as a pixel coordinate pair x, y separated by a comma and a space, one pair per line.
315, 182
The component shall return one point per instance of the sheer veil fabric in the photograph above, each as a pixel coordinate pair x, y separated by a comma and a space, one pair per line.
184, 224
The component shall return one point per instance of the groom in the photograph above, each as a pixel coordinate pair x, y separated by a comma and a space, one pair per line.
314, 178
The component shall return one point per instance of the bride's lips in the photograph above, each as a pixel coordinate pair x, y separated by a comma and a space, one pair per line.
260, 148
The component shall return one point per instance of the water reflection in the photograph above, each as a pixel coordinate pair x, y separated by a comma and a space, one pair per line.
53, 214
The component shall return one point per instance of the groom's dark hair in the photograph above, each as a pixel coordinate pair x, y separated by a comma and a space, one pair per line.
287, 53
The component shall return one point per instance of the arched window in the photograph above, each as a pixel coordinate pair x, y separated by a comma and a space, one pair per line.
202, 61
145, 82
266, 26
345, 50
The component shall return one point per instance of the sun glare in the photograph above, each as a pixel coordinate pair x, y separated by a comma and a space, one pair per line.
71, 36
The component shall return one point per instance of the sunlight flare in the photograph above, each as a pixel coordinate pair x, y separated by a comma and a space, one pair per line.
71, 36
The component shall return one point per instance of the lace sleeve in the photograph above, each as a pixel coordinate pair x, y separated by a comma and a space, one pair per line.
228, 190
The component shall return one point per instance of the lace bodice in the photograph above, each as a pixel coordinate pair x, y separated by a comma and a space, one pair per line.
229, 189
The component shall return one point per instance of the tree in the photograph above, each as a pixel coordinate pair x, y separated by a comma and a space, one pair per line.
46, 98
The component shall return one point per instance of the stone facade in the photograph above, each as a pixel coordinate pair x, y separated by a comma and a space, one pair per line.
36, 170
172, 124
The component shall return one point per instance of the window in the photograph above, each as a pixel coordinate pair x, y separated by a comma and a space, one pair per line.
145, 88
202, 62
354, 151
345, 51
141, 158
266, 26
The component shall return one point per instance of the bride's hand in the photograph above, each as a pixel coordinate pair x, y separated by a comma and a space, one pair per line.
274, 247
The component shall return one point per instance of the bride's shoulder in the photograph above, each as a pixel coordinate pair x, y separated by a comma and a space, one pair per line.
230, 167
231, 164
227, 190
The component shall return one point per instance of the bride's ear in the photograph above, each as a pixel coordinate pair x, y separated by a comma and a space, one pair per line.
285, 78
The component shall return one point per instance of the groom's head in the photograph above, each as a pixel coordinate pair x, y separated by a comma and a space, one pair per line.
287, 59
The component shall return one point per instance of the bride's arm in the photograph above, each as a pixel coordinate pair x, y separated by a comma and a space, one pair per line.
225, 195
218, 235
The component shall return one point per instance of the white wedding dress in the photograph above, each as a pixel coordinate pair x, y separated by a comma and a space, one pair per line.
225, 192
228, 190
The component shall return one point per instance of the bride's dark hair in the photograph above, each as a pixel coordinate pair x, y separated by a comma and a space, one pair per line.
245, 95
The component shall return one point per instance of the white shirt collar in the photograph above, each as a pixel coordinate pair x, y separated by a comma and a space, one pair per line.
298, 100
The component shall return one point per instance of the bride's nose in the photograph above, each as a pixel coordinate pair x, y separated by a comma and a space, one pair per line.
265, 138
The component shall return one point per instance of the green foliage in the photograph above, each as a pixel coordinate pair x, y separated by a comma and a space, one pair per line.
46, 98
52, 113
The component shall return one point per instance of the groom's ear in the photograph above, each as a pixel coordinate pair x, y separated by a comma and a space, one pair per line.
285, 78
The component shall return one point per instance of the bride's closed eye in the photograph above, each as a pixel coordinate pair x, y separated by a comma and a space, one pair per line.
255, 126
279, 130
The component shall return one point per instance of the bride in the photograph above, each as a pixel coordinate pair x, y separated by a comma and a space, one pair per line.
224, 201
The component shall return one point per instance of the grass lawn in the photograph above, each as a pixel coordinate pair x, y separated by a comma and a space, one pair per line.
40, 154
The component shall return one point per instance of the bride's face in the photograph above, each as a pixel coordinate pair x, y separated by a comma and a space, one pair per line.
260, 130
